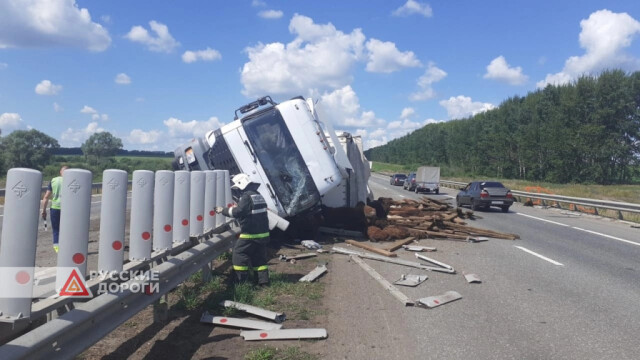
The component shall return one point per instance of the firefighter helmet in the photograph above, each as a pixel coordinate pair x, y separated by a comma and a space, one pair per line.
240, 181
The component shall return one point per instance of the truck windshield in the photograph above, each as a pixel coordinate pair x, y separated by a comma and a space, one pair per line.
281, 161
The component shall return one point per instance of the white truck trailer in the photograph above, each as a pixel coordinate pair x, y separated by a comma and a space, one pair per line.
428, 180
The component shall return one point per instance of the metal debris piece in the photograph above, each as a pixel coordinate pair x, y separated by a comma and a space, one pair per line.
433, 301
472, 278
433, 261
418, 248
241, 323
387, 285
314, 274
296, 257
475, 239
267, 314
284, 334
411, 280
344, 251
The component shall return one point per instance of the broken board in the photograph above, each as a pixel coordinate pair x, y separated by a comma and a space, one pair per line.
472, 278
314, 274
434, 301
240, 323
284, 334
411, 280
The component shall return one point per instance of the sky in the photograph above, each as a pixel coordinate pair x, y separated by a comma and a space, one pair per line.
158, 73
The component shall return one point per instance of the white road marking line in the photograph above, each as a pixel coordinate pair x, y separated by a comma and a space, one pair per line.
402, 196
538, 255
607, 236
541, 219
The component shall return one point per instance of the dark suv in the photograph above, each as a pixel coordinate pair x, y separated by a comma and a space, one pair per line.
410, 182
397, 179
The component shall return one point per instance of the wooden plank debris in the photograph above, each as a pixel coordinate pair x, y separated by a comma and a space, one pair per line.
386, 284
400, 243
371, 248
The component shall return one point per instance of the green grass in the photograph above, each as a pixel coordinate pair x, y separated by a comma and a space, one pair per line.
287, 353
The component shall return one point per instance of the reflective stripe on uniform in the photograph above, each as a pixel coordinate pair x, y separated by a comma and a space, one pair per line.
261, 268
231, 212
240, 268
259, 211
254, 236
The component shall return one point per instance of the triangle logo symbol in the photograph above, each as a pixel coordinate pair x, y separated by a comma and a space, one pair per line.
75, 286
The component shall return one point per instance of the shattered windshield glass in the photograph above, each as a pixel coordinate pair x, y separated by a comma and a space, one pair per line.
282, 162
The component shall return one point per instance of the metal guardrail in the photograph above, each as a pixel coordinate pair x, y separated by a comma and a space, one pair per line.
602, 204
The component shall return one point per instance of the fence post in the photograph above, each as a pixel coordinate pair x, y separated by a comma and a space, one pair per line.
209, 201
181, 197
18, 246
220, 197
141, 215
196, 203
75, 203
112, 221
163, 210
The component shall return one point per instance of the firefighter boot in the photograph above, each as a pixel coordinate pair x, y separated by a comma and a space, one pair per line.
263, 278
241, 276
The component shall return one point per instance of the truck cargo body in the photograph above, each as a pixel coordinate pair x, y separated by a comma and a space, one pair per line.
428, 179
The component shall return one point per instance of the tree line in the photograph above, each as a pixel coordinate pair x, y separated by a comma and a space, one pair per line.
587, 131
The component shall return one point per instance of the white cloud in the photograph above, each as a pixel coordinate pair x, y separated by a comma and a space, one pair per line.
257, 3
432, 75
106, 19
413, 7
75, 137
604, 37
141, 137
88, 110
407, 112
3, 66
162, 42
42, 23
343, 108
103, 117
498, 69
320, 57
462, 106
207, 54
10, 121
57, 108
384, 57
122, 79
178, 128
46, 87
270, 14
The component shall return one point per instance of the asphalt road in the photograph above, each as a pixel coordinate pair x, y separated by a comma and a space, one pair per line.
573, 294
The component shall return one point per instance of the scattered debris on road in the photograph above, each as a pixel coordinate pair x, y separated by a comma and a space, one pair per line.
294, 258
434, 301
240, 323
387, 285
418, 248
416, 265
371, 248
254, 310
436, 262
472, 278
411, 280
314, 274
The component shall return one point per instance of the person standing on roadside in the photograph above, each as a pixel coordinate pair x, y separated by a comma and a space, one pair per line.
250, 250
53, 190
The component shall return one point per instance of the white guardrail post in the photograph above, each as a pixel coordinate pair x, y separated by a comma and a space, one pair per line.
209, 201
181, 196
75, 204
220, 197
141, 215
113, 215
163, 210
196, 204
18, 247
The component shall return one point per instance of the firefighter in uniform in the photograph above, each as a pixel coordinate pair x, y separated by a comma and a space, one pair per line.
250, 249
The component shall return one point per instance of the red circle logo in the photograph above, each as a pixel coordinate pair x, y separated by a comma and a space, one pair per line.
212, 213
185, 222
223, 320
199, 217
22, 277
167, 228
263, 335
78, 258
117, 245
146, 235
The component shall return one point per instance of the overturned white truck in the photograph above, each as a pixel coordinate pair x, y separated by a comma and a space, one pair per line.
292, 150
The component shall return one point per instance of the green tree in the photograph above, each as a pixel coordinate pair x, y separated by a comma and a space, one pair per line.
101, 144
27, 148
